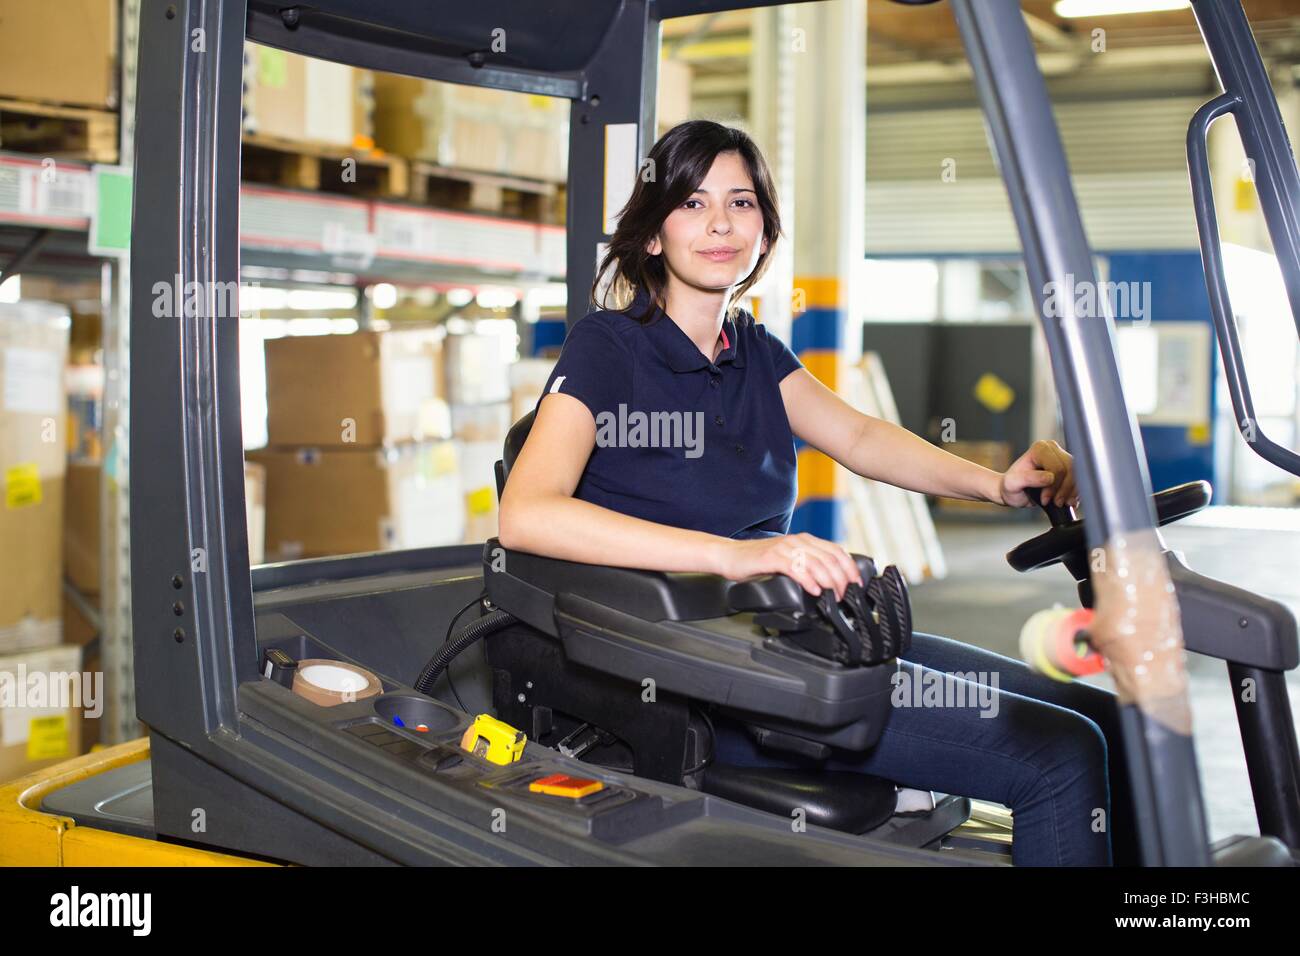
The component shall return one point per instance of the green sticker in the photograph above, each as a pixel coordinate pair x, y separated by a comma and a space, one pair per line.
272, 67
110, 224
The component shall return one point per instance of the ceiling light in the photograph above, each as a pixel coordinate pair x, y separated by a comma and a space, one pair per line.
1110, 8
383, 295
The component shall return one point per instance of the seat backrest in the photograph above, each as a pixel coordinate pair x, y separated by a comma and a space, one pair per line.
515, 439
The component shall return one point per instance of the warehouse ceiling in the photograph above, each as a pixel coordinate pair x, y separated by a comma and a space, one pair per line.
914, 54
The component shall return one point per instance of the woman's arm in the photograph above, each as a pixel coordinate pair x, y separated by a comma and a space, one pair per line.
539, 515
887, 452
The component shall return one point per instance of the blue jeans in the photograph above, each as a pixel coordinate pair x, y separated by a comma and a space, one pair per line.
1023, 740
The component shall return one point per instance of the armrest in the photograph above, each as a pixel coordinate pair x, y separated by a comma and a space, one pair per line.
526, 585
514, 579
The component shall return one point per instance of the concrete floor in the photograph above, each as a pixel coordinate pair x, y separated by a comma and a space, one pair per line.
984, 602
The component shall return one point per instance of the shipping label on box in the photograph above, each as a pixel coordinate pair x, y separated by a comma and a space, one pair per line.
51, 191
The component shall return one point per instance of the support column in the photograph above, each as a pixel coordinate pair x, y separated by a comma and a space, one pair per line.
828, 45
771, 123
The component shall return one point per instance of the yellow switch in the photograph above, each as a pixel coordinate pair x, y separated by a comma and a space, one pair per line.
493, 740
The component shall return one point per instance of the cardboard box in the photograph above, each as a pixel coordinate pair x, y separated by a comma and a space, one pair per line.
478, 477
324, 501
485, 423
473, 128
41, 708
527, 379
33, 352
296, 97
368, 388
478, 365
255, 508
991, 454
673, 105
63, 52
81, 526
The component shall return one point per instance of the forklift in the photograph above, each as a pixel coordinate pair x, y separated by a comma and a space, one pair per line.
554, 760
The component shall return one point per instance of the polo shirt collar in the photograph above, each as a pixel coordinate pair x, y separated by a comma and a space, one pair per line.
676, 347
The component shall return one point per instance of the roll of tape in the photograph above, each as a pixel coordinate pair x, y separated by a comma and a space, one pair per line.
330, 683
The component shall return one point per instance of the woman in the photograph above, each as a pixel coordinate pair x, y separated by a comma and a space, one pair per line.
665, 440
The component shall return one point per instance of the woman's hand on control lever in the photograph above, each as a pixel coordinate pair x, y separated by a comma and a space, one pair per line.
813, 562
1046, 466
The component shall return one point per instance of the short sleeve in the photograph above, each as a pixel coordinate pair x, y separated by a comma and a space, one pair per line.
783, 359
594, 367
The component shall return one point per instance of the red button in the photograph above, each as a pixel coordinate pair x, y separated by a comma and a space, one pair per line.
563, 785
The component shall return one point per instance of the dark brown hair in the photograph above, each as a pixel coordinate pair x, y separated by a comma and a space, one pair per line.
678, 164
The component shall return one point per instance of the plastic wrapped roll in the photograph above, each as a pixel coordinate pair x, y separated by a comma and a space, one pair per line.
1139, 629
1054, 642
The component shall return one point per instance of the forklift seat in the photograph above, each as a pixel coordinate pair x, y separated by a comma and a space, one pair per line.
623, 666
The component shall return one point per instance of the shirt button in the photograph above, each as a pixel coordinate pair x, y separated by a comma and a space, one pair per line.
713, 381
717, 419
740, 449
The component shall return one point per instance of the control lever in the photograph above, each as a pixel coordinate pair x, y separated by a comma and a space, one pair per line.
1056, 514
866, 627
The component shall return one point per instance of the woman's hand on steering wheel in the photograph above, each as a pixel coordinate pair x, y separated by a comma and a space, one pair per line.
813, 562
1046, 470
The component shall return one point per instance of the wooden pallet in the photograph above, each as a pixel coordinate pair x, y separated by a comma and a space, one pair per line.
511, 197
59, 132
319, 167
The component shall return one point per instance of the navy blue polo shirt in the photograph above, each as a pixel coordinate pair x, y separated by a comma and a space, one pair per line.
682, 440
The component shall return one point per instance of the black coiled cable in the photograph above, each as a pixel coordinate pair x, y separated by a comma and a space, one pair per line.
467, 635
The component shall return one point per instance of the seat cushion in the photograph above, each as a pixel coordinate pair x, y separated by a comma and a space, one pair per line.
837, 799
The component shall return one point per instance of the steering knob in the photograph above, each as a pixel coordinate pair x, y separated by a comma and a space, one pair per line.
1056, 514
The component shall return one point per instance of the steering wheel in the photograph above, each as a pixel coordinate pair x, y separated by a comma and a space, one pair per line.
1065, 540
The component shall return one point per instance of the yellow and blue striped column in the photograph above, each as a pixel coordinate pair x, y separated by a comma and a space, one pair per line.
815, 337
828, 208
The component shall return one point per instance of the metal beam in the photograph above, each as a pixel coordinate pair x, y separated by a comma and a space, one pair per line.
622, 82
191, 598
1099, 428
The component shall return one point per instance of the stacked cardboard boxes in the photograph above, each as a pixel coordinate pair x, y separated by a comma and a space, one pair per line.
479, 364
298, 98
472, 127
527, 379
359, 457
33, 352
44, 696
35, 727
